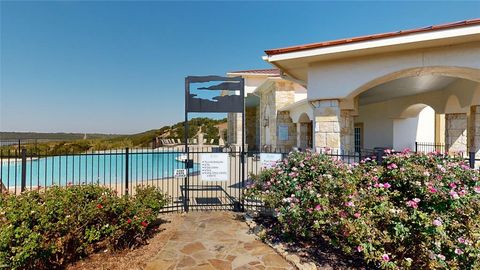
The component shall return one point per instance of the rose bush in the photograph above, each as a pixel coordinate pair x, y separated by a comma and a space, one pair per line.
48, 229
419, 211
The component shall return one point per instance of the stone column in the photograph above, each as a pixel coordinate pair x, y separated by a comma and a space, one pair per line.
333, 127
456, 132
474, 130
299, 136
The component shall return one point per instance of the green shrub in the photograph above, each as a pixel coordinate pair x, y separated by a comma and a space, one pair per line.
412, 211
47, 229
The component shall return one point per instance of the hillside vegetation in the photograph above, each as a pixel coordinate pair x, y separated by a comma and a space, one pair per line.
209, 127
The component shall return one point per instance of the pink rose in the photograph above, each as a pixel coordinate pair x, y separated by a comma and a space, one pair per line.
357, 215
359, 248
386, 185
437, 222
458, 251
385, 257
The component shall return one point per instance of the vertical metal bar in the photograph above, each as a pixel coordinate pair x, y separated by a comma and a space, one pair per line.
242, 158
24, 169
416, 147
471, 159
126, 171
187, 93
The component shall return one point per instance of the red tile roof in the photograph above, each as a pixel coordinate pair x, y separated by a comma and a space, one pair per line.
371, 37
271, 71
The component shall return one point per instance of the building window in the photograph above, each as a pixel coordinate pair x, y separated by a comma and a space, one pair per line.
358, 137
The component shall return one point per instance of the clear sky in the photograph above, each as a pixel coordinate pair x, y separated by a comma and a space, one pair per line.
119, 67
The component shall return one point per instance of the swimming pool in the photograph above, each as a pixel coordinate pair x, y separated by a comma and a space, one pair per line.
99, 168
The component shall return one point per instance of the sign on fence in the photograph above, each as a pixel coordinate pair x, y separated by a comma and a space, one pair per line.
180, 173
214, 166
269, 160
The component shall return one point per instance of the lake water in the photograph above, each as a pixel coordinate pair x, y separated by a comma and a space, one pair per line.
103, 168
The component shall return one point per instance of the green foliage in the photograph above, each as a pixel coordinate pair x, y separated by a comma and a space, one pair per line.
413, 211
44, 230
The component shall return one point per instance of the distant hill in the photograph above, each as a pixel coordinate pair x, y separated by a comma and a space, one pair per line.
52, 136
51, 143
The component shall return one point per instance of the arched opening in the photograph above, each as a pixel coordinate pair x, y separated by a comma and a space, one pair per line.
417, 129
466, 73
430, 106
304, 132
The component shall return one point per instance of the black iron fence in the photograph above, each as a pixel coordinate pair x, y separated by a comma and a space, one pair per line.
425, 147
122, 170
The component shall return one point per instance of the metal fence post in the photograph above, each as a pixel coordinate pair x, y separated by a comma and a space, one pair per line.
126, 171
416, 147
24, 169
471, 159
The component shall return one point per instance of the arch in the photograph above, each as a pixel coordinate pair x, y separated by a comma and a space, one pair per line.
472, 74
304, 118
452, 105
413, 110
416, 125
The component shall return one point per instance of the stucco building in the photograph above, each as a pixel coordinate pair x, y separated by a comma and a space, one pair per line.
387, 90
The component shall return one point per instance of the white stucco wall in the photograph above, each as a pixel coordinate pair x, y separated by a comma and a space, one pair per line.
346, 77
377, 127
409, 130
251, 83
379, 130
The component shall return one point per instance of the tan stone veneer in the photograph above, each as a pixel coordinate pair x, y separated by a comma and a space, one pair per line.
456, 132
474, 131
278, 95
333, 126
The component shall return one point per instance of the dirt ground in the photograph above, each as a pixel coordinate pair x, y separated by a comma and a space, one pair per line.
132, 259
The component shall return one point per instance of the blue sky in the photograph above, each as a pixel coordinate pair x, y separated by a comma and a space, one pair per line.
119, 67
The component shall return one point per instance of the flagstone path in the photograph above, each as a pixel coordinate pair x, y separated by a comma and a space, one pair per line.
215, 240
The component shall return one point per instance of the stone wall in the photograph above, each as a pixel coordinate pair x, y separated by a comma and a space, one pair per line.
474, 131
251, 127
333, 127
283, 118
279, 95
456, 132
234, 130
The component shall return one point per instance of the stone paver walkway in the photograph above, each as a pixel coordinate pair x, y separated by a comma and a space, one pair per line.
215, 240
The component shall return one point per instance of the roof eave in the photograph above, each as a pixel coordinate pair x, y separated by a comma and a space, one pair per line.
391, 42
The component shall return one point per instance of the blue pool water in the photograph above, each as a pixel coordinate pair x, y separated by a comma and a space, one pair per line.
102, 168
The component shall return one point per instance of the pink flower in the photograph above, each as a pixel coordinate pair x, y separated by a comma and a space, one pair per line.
144, 223
318, 207
454, 195
432, 189
441, 257
359, 248
385, 257
458, 251
349, 204
437, 222
461, 240
453, 185
357, 215
386, 185
413, 203
392, 166
477, 189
